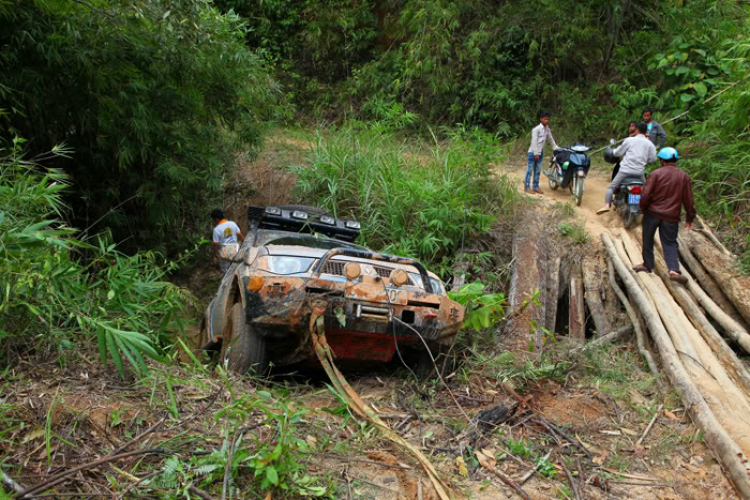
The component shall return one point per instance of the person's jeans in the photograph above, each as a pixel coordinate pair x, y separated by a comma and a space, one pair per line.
534, 166
668, 236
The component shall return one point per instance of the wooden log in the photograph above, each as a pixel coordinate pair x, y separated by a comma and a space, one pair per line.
528, 278
553, 285
729, 453
576, 311
639, 335
724, 270
591, 285
708, 283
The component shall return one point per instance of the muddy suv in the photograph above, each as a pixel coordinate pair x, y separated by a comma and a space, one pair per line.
376, 304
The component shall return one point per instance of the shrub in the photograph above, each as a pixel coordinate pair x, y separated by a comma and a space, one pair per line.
60, 291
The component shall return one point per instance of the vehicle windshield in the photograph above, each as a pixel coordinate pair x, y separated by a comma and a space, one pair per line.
311, 242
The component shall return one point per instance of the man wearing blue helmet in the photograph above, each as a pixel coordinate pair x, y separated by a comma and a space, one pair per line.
667, 190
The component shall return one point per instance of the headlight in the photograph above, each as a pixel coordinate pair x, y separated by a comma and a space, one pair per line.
289, 265
353, 224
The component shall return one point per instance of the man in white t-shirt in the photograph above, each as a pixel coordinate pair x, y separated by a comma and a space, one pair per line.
227, 239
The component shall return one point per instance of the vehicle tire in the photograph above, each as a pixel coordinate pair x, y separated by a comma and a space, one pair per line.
553, 185
578, 190
425, 368
244, 350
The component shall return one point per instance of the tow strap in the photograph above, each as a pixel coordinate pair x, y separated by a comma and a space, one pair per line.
358, 405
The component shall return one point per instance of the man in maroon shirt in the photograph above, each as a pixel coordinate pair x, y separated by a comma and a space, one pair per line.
666, 191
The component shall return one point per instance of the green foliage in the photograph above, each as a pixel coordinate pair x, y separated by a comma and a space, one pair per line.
482, 309
72, 290
576, 231
410, 201
155, 97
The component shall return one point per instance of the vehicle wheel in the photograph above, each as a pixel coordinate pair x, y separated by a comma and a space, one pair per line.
553, 185
578, 190
244, 349
425, 368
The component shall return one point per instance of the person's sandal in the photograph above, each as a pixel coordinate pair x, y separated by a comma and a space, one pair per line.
678, 278
603, 210
641, 269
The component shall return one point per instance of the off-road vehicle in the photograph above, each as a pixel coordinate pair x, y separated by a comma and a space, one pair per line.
376, 304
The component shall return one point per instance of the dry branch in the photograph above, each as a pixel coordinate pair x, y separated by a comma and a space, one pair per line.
728, 452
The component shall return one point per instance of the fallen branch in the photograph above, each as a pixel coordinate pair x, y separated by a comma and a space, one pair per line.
10, 483
609, 338
62, 476
508, 481
640, 337
650, 425
728, 452
200, 493
531, 472
573, 485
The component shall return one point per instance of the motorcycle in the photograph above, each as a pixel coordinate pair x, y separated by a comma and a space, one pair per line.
568, 169
627, 197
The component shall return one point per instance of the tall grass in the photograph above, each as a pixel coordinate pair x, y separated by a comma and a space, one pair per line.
422, 200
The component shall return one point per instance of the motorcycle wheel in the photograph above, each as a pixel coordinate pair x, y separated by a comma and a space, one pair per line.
553, 185
628, 219
578, 190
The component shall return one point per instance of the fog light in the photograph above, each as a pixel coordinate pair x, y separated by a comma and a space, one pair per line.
255, 283
353, 224
399, 277
273, 210
352, 270
299, 214
327, 219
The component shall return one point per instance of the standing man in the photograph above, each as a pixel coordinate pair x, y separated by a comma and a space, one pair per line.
539, 136
667, 190
654, 130
636, 152
227, 239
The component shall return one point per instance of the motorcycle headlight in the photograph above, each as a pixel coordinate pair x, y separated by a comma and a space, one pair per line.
289, 265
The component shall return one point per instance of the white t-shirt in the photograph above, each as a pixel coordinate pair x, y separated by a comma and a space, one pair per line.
226, 233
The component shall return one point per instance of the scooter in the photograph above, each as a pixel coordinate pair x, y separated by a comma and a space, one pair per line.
627, 196
568, 168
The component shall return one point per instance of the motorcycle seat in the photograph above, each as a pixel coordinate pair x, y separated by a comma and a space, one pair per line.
633, 179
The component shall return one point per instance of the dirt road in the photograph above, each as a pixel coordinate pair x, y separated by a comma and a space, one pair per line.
593, 198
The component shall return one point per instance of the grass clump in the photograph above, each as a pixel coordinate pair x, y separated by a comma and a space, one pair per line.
412, 200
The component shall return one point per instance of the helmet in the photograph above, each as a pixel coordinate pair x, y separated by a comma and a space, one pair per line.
609, 155
668, 154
